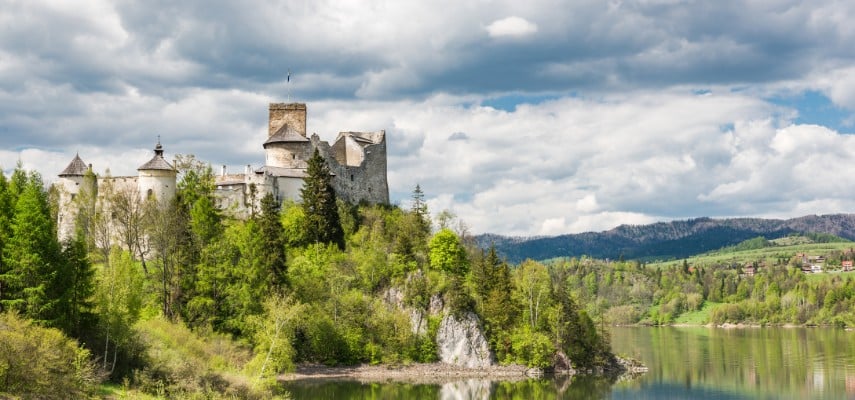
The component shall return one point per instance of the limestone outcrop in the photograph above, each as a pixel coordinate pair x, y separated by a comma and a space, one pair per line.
460, 341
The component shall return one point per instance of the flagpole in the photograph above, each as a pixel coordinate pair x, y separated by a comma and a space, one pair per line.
288, 84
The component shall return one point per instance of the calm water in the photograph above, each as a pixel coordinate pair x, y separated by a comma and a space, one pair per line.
696, 363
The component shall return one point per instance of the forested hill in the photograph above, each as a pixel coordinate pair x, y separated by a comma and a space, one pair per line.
665, 240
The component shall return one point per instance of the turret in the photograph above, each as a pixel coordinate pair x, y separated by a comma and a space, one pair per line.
287, 145
157, 177
72, 180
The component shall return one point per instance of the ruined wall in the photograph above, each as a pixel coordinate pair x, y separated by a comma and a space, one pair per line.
364, 182
293, 114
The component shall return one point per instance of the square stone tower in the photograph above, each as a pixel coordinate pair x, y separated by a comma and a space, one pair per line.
291, 114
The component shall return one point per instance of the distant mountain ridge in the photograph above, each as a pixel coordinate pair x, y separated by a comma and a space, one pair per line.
665, 240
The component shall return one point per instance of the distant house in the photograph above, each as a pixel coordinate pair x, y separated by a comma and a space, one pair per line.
847, 265
807, 268
816, 268
749, 270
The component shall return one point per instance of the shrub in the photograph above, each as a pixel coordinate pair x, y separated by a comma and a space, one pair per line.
37, 362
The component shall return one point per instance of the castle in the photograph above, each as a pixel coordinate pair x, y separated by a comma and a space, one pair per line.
357, 161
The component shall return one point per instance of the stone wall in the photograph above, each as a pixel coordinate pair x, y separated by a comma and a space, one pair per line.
363, 182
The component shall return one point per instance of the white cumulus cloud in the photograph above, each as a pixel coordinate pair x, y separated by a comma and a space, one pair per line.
511, 26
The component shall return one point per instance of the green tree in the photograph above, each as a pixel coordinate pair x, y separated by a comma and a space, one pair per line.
78, 287
447, 253
118, 303
31, 257
319, 204
420, 209
272, 234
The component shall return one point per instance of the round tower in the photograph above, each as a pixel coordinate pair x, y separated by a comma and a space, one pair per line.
157, 178
287, 145
71, 181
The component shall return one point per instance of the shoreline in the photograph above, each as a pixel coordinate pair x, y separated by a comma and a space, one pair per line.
410, 373
438, 373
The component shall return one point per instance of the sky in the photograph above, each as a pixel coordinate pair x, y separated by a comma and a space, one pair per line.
521, 118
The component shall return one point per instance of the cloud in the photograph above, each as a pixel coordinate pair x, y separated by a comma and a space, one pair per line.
644, 110
511, 26
458, 136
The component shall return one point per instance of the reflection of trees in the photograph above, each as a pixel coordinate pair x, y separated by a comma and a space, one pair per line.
769, 361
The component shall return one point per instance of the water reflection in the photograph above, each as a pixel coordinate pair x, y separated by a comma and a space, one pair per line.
478, 389
740, 363
697, 363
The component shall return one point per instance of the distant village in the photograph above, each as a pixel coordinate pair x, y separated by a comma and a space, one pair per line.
837, 261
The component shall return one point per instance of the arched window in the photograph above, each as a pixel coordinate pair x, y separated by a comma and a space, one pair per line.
149, 194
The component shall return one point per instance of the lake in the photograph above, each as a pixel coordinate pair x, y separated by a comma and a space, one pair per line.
692, 362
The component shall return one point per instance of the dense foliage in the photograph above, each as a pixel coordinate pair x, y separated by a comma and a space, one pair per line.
779, 292
176, 297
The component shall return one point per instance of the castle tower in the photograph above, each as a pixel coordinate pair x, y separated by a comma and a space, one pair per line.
292, 114
72, 180
157, 177
287, 145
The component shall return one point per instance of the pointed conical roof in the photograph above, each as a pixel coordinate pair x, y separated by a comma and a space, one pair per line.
285, 134
157, 162
76, 168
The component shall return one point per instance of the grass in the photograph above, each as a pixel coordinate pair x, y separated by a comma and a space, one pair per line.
699, 317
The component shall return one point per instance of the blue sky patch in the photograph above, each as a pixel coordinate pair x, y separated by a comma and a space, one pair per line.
816, 108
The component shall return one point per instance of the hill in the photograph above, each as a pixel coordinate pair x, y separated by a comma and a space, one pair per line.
666, 240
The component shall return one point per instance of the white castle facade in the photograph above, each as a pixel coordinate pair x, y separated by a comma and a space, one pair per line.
357, 161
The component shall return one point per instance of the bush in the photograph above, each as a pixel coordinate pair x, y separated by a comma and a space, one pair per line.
42, 363
533, 349
181, 363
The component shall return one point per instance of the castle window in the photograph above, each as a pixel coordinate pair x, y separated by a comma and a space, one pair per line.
293, 156
351, 177
149, 193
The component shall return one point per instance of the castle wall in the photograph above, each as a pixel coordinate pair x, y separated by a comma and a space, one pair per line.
289, 188
365, 182
293, 114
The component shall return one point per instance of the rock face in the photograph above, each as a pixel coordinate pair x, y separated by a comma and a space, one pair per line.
461, 342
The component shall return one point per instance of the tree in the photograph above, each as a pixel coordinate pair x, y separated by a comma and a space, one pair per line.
127, 213
447, 253
533, 283
274, 241
419, 208
31, 257
77, 284
168, 234
118, 303
319, 204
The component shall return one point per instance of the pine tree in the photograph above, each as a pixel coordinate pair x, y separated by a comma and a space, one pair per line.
31, 256
6, 212
319, 204
274, 240
419, 208
77, 284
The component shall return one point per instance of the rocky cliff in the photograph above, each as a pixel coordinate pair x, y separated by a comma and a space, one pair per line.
460, 341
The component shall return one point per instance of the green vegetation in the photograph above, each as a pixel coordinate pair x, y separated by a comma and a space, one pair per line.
176, 299
755, 282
